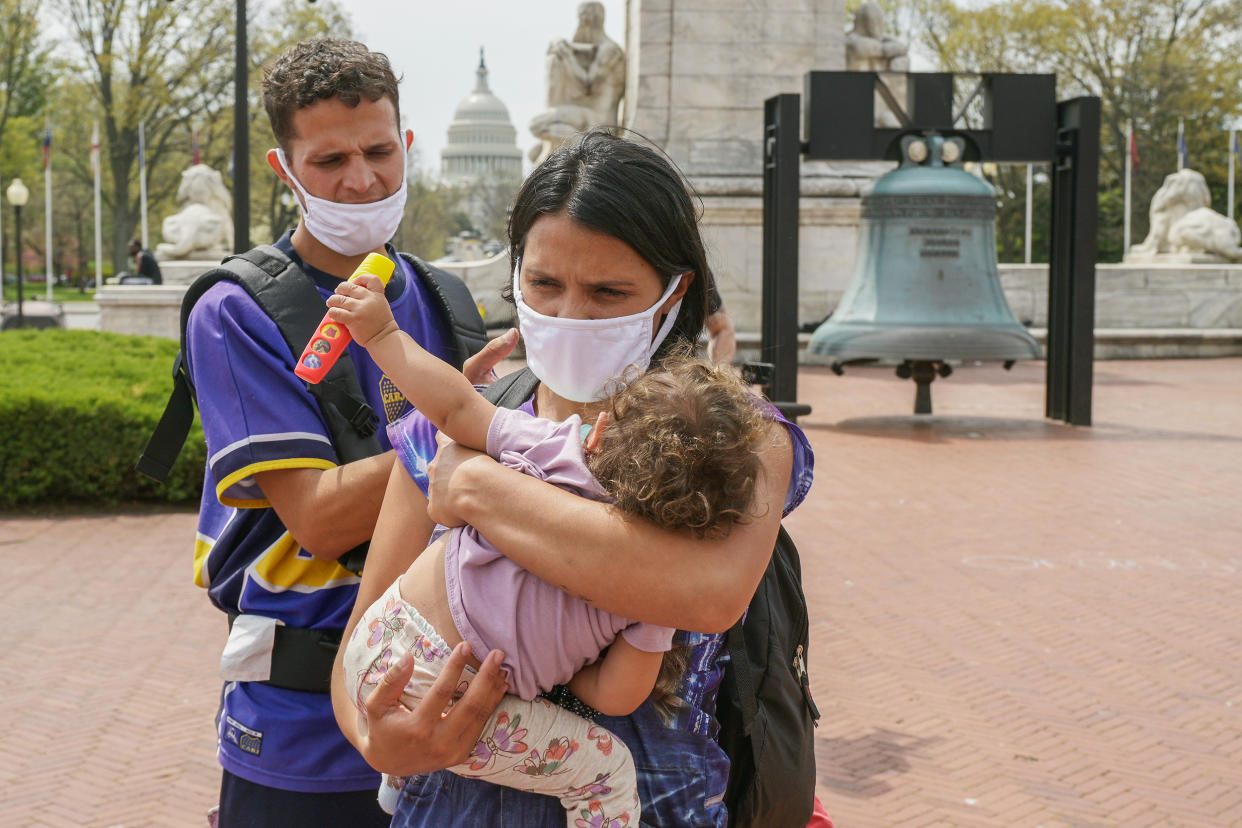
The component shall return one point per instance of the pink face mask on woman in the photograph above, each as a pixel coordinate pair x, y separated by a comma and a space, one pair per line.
576, 358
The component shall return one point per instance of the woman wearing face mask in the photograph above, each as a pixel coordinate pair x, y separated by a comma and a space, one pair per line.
610, 272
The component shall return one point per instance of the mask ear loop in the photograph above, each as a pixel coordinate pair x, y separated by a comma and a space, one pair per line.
670, 318
304, 201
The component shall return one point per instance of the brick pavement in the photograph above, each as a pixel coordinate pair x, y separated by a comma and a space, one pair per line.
1015, 622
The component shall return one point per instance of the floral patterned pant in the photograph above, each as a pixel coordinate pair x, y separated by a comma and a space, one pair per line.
529, 745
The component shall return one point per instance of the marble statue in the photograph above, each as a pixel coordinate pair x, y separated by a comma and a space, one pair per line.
585, 80
202, 229
1184, 227
868, 49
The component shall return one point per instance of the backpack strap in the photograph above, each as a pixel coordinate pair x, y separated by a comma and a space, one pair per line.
512, 389
287, 295
458, 305
156, 460
742, 674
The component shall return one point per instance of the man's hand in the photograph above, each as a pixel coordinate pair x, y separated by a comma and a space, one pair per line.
359, 305
428, 738
480, 369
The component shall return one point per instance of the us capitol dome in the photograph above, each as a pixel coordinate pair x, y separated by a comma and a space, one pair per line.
482, 142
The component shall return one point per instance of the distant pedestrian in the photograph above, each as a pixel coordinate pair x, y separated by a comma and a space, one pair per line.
145, 263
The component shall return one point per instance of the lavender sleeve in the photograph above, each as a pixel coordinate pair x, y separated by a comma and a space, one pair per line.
648, 637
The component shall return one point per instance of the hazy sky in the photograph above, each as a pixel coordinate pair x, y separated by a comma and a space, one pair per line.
434, 48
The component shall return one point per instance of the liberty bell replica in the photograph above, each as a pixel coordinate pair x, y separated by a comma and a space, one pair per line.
925, 291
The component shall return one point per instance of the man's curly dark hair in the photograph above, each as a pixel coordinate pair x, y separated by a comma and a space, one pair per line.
319, 69
680, 447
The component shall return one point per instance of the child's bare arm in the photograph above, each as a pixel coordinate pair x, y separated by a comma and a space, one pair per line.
620, 681
434, 387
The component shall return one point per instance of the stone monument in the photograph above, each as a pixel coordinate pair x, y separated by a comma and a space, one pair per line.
696, 84
868, 49
585, 82
202, 228
1185, 228
196, 238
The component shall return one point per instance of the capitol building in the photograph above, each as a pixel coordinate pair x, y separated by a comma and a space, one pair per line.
482, 142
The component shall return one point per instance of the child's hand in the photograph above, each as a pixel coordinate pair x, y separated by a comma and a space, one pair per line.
360, 306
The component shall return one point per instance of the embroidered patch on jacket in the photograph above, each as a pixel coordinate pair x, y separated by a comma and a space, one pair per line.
394, 401
246, 738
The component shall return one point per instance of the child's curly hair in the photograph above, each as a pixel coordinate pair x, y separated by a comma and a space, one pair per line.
679, 448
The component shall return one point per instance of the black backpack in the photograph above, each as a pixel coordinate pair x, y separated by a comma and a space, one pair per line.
289, 297
764, 706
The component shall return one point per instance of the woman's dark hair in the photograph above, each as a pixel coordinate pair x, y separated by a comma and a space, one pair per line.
633, 193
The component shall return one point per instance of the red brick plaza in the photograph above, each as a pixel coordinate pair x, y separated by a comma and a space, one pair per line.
1014, 622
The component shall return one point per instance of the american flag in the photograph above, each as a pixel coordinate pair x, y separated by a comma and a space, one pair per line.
47, 146
194, 146
1134, 155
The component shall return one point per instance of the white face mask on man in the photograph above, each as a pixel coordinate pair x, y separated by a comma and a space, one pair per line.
350, 229
576, 358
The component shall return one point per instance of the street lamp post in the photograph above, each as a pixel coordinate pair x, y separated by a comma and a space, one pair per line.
241, 136
18, 195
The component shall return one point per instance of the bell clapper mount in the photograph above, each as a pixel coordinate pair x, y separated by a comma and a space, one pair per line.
923, 372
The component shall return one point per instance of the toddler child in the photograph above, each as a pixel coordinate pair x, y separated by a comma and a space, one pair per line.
674, 445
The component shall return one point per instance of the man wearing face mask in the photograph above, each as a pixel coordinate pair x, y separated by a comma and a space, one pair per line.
279, 510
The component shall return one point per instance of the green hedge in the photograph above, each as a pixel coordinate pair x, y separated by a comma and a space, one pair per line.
76, 409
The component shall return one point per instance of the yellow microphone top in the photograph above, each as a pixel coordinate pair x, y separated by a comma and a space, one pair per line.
377, 265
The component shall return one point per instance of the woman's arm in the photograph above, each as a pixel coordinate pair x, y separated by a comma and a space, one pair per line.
617, 562
392, 737
618, 683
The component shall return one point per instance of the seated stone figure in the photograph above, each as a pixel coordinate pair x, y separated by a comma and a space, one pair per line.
203, 227
1184, 227
868, 49
586, 80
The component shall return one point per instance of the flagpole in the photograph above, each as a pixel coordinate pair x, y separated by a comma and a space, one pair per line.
1129, 163
1027, 242
47, 207
142, 180
1181, 142
98, 224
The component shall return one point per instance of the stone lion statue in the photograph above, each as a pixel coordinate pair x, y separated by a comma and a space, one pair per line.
1184, 227
203, 227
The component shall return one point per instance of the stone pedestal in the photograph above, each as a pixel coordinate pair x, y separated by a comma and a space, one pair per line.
698, 74
151, 310
182, 272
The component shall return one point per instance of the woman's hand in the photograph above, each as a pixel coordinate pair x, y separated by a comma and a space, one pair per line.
452, 482
480, 369
400, 741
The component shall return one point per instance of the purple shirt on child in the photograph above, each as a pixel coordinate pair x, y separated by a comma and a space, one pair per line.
546, 634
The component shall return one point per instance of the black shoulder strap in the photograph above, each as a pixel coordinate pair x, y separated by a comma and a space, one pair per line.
743, 675
511, 390
745, 682
289, 297
458, 305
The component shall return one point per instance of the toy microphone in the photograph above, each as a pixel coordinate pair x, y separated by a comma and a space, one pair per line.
331, 338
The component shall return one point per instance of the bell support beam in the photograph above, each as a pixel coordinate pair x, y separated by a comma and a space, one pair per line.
779, 327
1021, 122
1071, 270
